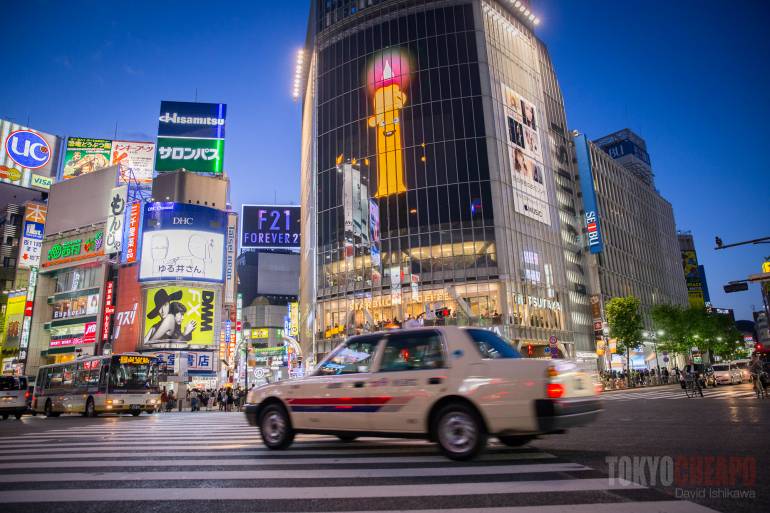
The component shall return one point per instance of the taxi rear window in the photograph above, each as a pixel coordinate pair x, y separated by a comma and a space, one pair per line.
491, 345
9, 383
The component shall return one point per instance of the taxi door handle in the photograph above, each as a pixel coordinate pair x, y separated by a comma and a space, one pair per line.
359, 384
435, 381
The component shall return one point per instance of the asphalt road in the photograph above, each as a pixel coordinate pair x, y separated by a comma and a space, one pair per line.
214, 462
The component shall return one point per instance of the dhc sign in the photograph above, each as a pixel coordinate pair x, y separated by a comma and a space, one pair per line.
592, 225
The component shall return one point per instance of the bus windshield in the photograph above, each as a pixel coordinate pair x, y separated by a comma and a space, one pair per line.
133, 374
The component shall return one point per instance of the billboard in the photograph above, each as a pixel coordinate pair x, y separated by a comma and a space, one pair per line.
73, 249
84, 155
32, 229
182, 242
525, 156
179, 317
127, 325
29, 158
592, 224
14, 315
116, 214
695, 294
135, 159
232, 233
191, 135
270, 226
132, 235
73, 335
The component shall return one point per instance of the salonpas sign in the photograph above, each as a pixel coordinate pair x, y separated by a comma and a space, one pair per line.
201, 155
191, 136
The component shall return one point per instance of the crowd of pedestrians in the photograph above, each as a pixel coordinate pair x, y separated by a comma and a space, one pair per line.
614, 380
199, 399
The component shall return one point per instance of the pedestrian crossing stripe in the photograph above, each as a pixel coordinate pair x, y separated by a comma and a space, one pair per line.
153, 461
678, 393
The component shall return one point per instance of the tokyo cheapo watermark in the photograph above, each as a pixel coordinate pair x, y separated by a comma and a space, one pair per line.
692, 477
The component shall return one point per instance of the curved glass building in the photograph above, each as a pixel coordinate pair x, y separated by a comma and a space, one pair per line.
437, 179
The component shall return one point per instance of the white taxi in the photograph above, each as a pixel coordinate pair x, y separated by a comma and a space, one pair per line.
454, 386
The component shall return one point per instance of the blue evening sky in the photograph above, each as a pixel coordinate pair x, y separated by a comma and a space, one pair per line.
690, 76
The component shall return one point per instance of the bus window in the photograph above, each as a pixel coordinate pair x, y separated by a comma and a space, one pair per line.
55, 377
139, 375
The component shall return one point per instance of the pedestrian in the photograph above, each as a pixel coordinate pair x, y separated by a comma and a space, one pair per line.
163, 399
194, 402
171, 401
230, 399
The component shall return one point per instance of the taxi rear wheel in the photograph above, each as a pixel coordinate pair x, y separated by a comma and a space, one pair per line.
515, 441
347, 438
275, 427
459, 432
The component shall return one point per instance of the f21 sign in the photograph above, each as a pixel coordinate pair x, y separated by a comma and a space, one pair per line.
270, 226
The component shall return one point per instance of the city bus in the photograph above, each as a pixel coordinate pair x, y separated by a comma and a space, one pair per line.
121, 383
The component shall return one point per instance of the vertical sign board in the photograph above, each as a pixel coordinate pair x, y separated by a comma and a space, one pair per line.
25, 325
109, 309
592, 225
134, 223
231, 251
116, 213
31, 241
191, 136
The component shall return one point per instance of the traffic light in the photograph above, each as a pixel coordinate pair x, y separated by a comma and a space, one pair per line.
719, 242
736, 287
530, 350
758, 346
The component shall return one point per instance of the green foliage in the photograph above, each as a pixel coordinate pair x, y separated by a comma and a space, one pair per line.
686, 327
625, 322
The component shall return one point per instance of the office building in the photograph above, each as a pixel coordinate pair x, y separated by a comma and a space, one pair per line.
436, 175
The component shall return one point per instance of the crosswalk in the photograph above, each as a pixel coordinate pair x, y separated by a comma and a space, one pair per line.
215, 462
743, 391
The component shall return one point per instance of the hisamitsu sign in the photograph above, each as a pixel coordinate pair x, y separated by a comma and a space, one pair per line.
270, 226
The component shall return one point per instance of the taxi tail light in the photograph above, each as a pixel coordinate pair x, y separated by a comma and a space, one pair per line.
27, 395
555, 390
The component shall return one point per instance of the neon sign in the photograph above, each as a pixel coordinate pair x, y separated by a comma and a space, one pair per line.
387, 77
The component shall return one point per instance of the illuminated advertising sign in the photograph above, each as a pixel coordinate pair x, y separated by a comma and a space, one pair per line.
116, 213
31, 242
200, 155
232, 233
127, 325
179, 317
109, 291
63, 251
74, 335
525, 155
192, 119
270, 226
592, 224
28, 158
695, 294
135, 160
67, 308
132, 244
14, 317
182, 241
623, 148
84, 155
198, 362
191, 136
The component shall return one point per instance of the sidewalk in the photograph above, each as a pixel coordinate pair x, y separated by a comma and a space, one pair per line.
641, 389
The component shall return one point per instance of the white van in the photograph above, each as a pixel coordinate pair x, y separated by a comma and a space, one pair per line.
14, 396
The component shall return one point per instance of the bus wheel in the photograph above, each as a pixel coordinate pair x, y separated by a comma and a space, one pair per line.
90, 410
18, 416
136, 413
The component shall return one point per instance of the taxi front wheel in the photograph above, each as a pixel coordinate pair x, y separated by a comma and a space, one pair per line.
275, 427
459, 432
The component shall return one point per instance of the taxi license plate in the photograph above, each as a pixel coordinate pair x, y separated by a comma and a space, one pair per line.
136, 406
578, 384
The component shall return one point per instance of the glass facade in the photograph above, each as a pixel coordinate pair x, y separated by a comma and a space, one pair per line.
427, 174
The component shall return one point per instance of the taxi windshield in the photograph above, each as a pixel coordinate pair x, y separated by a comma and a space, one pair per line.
353, 357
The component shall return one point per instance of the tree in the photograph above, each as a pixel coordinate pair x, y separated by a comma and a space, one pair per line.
686, 327
625, 324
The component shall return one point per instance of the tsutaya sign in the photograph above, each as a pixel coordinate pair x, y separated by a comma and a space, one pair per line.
537, 302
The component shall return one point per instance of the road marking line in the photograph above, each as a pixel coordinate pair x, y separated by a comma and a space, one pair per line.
609, 507
104, 495
259, 461
296, 474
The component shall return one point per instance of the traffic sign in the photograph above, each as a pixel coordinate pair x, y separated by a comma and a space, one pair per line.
547, 349
552, 341
766, 267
